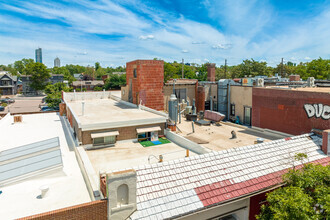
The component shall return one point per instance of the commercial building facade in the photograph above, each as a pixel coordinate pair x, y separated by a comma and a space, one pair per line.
98, 118
293, 111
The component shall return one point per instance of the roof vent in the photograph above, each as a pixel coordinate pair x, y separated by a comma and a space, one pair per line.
44, 189
17, 118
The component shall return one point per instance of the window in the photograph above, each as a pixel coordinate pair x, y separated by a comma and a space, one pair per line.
232, 109
134, 73
181, 94
247, 115
122, 195
104, 140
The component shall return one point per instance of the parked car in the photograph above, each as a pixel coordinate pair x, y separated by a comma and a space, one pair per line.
42, 105
2, 108
7, 100
47, 109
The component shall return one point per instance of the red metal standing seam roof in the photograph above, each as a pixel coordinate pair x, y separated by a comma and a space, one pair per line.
224, 190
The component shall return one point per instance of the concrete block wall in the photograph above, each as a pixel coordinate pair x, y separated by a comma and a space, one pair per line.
147, 87
97, 210
290, 111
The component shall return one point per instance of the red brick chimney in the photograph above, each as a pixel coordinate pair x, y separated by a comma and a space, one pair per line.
200, 99
326, 142
211, 72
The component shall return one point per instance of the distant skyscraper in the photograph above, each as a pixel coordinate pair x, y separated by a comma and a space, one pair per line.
57, 62
38, 55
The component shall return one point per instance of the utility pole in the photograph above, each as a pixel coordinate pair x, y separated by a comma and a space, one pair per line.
282, 74
225, 69
182, 68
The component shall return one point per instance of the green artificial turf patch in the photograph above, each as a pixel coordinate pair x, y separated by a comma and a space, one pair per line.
163, 140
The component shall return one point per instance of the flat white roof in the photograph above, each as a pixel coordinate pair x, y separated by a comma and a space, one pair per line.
128, 154
66, 186
108, 113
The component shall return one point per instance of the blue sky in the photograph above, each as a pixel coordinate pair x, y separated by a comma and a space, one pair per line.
115, 32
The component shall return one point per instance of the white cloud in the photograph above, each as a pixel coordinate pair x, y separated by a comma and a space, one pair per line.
197, 42
307, 58
222, 46
90, 28
147, 37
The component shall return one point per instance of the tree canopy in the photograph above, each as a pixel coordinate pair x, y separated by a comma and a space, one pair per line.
305, 196
54, 93
115, 81
39, 75
318, 68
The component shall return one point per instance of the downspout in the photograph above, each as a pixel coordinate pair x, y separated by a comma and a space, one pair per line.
228, 103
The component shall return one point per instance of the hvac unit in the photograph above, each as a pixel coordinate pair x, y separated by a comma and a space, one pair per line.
310, 82
260, 82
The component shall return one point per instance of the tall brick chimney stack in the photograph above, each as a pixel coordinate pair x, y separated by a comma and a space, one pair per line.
326, 142
211, 72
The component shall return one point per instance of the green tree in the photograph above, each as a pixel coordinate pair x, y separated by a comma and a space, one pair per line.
20, 65
89, 73
301, 70
319, 69
97, 66
39, 75
65, 72
73, 69
54, 94
115, 81
305, 196
97, 88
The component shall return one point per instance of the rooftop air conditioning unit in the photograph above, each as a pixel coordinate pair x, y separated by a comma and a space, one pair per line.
310, 82
260, 82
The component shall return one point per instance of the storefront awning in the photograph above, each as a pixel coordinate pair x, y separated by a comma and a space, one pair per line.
104, 134
148, 129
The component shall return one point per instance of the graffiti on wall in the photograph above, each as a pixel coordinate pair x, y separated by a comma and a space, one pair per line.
317, 111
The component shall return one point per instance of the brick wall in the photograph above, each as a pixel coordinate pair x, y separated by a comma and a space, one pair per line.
211, 72
283, 110
96, 210
294, 78
148, 84
103, 185
200, 102
125, 133
255, 204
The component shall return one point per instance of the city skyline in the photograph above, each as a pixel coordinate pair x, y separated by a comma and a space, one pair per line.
115, 32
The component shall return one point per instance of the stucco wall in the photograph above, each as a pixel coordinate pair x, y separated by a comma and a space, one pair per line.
240, 96
211, 90
124, 93
190, 93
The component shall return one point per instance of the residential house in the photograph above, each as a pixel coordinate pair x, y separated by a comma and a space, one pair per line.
26, 81
8, 83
